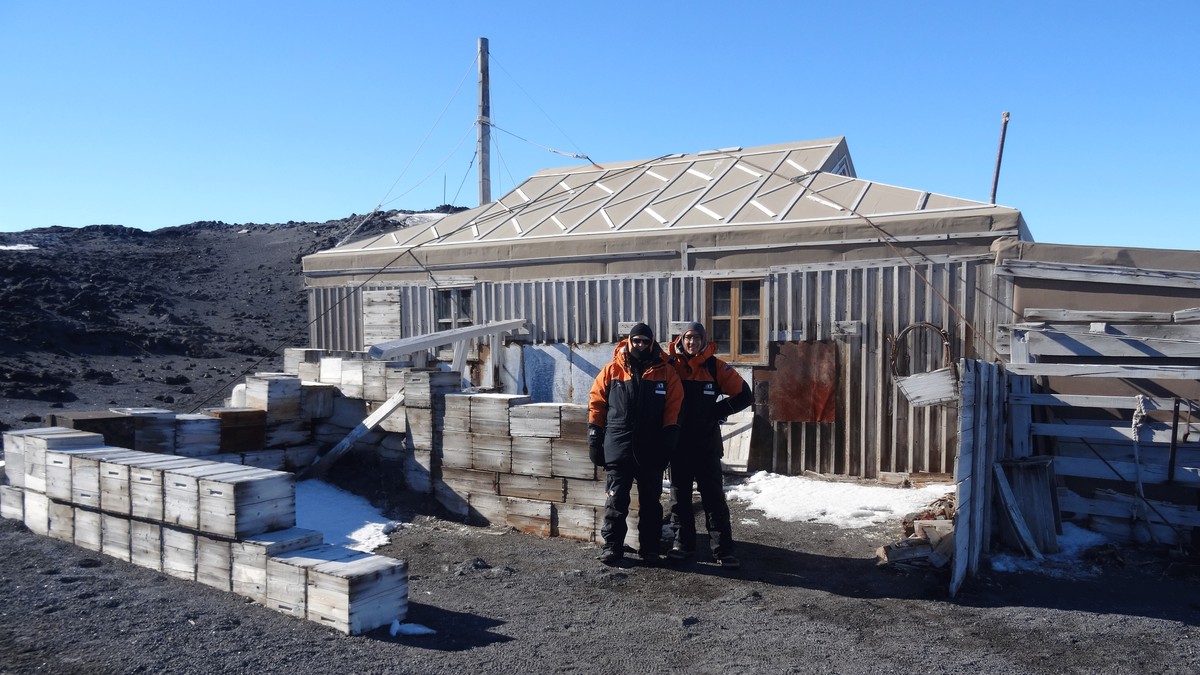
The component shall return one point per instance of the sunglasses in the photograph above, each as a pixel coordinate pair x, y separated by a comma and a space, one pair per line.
639, 341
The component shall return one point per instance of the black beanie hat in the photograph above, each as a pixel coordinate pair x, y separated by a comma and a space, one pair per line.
643, 330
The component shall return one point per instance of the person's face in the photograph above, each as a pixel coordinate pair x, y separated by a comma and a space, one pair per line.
692, 342
640, 343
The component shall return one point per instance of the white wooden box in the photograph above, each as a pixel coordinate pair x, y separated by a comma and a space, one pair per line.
40, 441
85, 473
359, 594
37, 512
179, 553
531, 456
12, 502
181, 491
62, 521
249, 558
197, 435
114, 536
248, 502
213, 564
146, 484
569, 458
287, 575
536, 419
579, 522
145, 544
87, 529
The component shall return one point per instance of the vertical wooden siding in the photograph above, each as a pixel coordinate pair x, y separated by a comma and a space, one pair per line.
877, 430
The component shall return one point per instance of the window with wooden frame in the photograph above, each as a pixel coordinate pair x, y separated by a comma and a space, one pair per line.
452, 308
735, 316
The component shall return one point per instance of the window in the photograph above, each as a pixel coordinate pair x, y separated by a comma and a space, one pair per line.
736, 318
453, 308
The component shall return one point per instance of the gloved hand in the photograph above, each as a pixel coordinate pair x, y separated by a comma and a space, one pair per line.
722, 409
670, 438
596, 444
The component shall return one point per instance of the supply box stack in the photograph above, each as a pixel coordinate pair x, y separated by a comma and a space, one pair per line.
222, 524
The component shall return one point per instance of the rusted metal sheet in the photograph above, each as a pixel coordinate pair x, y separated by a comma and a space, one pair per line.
804, 382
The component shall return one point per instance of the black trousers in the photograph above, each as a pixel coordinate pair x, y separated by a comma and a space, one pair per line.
703, 469
619, 480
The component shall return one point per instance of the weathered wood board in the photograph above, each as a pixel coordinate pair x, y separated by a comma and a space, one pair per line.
249, 558
356, 595
287, 575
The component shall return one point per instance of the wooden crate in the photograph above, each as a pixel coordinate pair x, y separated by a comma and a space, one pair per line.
181, 491
145, 544
574, 421
357, 595
40, 441
277, 394
374, 383
85, 472
569, 458
287, 575
114, 536
536, 419
249, 558
424, 427
213, 562
294, 356
299, 457
116, 428
530, 515
153, 429
587, 493
330, 370
37, 512
286, 434
87, 529
242, 429
351, 381
178, 552
489, 508
316, 400
274, 459
466, 481
59, 469
491, 453
531, 456
427, 388
246, 503
579, 522
456, 449
422, 469
14, 451
146, 484
197, 435
490, 412
532, 487
12, 502
62, 520
457, 412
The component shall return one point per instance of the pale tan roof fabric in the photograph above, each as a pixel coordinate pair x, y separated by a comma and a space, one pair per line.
794, 183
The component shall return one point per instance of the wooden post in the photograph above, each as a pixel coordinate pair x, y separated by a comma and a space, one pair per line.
485, 126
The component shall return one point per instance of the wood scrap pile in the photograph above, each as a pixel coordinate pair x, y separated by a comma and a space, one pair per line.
928, 537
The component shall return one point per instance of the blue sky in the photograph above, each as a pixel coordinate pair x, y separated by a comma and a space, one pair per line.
153, 114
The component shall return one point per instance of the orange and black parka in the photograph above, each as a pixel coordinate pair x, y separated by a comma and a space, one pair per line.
635, 409
705, 377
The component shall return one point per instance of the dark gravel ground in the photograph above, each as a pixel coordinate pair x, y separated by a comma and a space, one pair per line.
108, 316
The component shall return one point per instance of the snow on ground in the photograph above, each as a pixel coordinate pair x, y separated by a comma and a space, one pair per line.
847, 505
349, 520
18, 247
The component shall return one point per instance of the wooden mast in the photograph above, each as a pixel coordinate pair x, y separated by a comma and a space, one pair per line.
485, 126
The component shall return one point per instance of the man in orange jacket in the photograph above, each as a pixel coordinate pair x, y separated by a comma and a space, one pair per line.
697, 457
633, 412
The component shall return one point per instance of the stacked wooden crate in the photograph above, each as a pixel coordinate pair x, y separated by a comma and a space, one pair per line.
117, 428
153, 429
425, 407
217, 523
527, 466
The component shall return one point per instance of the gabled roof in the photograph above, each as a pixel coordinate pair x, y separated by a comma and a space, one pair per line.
792, 183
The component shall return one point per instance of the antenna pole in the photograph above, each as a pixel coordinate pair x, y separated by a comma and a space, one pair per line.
999, 155
485, 126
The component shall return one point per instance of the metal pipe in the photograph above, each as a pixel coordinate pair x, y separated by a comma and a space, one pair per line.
1174, 435
999, 155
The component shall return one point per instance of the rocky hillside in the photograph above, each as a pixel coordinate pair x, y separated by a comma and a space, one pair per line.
109, 315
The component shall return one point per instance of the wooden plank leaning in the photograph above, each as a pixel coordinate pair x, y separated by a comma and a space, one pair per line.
1014, 514
319, 468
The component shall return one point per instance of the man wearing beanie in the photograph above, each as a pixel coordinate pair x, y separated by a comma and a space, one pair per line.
697, 457
633, 412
